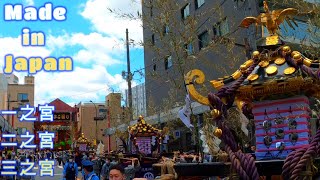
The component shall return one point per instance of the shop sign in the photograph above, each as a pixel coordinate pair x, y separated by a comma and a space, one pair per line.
61, 116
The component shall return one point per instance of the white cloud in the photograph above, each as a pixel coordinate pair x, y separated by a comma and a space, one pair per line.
9, 45
105, 22
96, 47
82, 84
29, 2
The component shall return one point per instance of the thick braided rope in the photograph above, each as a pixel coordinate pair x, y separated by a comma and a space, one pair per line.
248, 163
290, 61
309, 71
286, 165
247, 111
307, 156
252, 163
231, 146
234, 87
304, 68
296, 159
216, 102
225, 91
236, 163
227, 136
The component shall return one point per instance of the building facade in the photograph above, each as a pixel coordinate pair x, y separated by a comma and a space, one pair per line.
93, 130
3, 91
12, 79
138, 100
64, 124
19, 95
205, 35
117, 115
192, 34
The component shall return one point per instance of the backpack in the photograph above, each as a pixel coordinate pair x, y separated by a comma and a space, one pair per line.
70, 172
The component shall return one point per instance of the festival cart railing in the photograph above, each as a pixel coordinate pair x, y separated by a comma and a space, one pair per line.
266, 169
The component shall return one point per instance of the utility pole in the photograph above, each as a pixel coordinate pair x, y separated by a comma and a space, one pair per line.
129, 78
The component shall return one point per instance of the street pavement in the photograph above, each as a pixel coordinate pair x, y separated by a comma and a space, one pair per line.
57, 174
58, 170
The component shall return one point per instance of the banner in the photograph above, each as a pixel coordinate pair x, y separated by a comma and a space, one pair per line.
185, 112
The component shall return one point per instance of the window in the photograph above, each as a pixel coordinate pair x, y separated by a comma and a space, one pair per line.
168, 62
185, 11
152, 39
221, 28
165, 29
154, 65
189, 48
151, 8
22, 96
203, 40
199, 3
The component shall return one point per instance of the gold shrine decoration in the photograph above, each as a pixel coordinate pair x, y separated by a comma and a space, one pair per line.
199, 78
271, 19
82, 139
218, 84
144, 129
275, 87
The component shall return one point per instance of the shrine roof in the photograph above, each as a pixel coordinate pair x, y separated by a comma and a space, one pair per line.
143, 129
61, 106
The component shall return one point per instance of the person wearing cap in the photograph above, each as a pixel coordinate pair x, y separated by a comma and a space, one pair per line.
70, 170
87, 171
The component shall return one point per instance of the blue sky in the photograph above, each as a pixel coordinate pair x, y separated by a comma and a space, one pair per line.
91, 36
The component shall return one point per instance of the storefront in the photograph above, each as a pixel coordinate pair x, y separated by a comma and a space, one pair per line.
64, 125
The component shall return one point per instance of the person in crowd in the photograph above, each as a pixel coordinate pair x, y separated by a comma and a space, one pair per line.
70, 170
13, 154
84, 156
117, 173
64, 158
59, 158
78, 159
48, 155
88, 172
104, 175
97, 165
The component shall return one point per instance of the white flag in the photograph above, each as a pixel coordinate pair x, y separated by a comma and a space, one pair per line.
185, 112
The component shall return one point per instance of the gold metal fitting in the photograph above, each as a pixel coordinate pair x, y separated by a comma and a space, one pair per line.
215, 113
243, 68
294, 53
218, 132
286, 49
255, 54
297, 57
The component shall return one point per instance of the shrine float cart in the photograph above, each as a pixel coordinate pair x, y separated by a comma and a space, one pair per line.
82, 143
276, 89
141, 135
